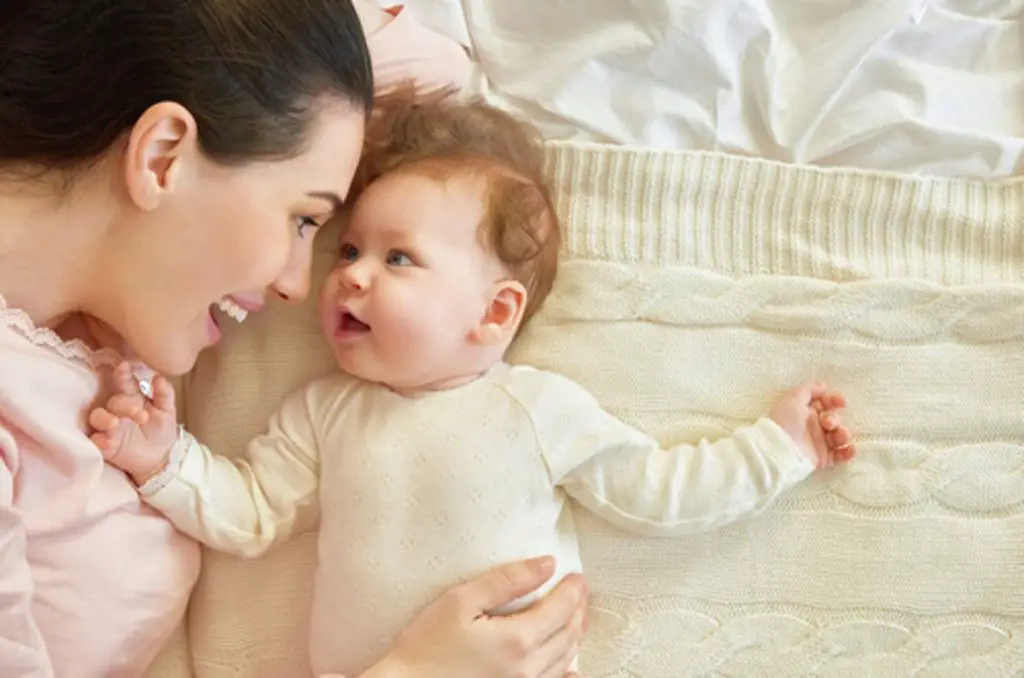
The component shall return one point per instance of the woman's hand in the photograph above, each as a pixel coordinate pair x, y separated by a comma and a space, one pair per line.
455, 637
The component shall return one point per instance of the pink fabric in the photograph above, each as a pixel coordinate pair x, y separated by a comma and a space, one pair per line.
92, 581
405, 50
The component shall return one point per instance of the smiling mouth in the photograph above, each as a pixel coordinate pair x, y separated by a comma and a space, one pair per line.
227, 307
349, 324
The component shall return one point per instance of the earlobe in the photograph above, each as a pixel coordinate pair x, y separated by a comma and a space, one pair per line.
504, 313
161, 140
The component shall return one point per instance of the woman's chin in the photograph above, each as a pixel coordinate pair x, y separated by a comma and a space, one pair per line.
172, 354
174, 364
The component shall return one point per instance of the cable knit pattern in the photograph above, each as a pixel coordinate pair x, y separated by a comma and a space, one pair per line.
695, 289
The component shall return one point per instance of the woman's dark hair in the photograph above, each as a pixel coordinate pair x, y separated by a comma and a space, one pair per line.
75, 75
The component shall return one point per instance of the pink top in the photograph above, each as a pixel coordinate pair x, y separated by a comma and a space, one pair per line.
92, 581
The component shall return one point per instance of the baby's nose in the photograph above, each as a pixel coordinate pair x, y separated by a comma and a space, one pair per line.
355, 278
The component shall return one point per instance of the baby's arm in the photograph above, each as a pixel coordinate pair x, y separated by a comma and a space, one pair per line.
241, 506
627, 478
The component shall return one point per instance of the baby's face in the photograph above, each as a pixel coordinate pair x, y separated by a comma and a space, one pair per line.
411, 283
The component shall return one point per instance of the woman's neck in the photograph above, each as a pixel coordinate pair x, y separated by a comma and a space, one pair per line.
47, 248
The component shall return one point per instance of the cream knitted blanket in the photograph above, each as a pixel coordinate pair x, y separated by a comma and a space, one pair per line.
695, 288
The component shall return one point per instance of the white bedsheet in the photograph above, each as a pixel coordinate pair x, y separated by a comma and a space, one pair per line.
916, 86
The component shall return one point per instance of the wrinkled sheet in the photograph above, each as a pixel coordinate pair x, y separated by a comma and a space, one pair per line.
903, 85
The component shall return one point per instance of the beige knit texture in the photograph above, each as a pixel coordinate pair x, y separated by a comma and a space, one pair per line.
695, 288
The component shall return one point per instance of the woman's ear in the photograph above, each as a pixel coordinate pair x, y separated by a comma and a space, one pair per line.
503, 315
161, 138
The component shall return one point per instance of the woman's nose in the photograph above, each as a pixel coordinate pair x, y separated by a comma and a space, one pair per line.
292, 284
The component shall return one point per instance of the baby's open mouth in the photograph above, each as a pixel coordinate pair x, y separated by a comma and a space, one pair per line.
350, 323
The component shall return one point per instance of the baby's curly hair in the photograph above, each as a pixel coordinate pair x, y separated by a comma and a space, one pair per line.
446, 138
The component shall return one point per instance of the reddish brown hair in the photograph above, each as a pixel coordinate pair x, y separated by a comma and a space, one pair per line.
446, 137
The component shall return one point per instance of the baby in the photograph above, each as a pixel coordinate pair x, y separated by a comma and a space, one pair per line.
427, 459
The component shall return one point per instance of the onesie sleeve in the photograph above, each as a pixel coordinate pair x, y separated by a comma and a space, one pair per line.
630, 480
246, 505
22, 650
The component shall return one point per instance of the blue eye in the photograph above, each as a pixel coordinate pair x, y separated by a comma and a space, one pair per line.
306, 222
397, 258
348, 252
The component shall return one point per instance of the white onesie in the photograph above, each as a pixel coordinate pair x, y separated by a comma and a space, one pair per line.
415, 494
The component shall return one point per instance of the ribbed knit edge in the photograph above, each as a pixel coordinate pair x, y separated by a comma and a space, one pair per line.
746, 216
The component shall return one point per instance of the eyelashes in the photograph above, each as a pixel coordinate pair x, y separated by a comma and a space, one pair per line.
304, 223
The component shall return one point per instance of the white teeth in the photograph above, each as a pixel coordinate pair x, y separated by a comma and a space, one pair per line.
234, 311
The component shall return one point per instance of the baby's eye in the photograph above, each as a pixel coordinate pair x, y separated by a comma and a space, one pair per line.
348, 252
306, 222
398, 258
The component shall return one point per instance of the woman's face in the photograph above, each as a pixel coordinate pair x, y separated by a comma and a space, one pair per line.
197, 241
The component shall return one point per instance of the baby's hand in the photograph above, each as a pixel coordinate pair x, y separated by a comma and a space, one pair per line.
810, 415
136, 434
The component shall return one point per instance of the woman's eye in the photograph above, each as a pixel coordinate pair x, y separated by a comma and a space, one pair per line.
306, 222
348, 253
397, 258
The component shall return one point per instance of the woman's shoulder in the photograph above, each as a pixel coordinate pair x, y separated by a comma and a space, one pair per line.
44, 376
20, 338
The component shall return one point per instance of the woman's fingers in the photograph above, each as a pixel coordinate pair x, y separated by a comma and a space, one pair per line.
550, 615
556, 654
503, 584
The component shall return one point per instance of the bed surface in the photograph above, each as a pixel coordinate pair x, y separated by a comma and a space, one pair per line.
929, 86
907, 563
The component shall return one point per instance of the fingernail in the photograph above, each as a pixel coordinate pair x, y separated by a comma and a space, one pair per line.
543, 565
578, 585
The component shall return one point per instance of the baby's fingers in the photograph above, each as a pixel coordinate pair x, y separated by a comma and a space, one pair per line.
831, 401
129, 406
107, 444
841, 447
839, 438
830, 421
163, 394
845, 454
103, 420
806, 393
124, 379
844, 451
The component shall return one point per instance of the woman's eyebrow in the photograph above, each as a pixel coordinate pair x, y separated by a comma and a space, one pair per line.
329, 196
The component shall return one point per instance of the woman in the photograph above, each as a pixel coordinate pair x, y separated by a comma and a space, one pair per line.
157, 156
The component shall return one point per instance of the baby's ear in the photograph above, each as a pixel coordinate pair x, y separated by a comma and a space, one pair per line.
503, 315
